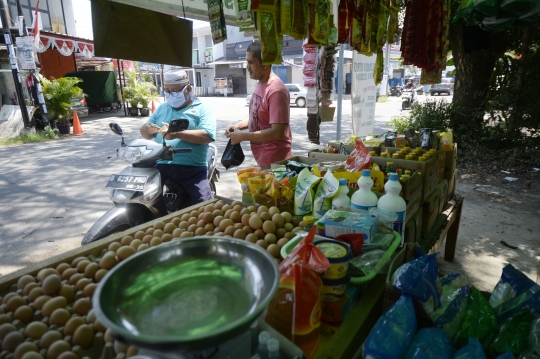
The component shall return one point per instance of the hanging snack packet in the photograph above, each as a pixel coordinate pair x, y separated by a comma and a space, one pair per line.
268, 25
244, 16
303, 194
473, 350
513, 334
449, 317
286, 201
296, 308
321, 27
299, 19
430, 343
479, 322
418, 278
216, 17
327, 189
393, 331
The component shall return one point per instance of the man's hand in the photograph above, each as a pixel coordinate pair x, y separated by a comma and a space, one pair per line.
229, 130
170, 135
235, 137
148, 131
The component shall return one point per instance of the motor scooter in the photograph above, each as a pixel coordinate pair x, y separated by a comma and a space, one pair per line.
137, 192
395, 91
408, 99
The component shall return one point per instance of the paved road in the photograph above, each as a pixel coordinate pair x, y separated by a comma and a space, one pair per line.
51, 193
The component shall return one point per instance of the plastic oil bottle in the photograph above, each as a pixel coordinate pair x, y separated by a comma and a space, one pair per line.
342, 198
393, 202
364, 198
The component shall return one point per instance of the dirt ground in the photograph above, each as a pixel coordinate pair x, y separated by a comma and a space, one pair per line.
496, 210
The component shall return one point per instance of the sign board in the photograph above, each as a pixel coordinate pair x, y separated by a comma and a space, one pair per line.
363, 94
25, 47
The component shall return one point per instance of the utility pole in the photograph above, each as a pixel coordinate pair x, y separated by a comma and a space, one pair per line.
13, 63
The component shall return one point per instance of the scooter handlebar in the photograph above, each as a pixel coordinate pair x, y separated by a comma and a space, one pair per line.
183, 150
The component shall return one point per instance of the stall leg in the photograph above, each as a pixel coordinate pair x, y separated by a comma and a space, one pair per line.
451, 237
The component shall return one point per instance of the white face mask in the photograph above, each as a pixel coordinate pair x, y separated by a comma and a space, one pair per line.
177, 100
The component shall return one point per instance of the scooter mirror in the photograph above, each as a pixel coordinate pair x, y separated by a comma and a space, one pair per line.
116, 128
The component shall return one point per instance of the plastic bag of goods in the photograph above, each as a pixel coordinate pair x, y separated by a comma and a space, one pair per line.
430, 343
393, 332
296, 308
512, 334
479, 322
473, 350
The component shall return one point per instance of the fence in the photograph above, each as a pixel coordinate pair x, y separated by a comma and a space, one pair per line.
203, 91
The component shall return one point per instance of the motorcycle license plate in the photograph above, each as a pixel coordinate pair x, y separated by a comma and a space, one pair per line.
134, 183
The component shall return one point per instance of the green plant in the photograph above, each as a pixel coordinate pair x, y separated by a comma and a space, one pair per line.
432, 114
50, 133
382, 99
58, 94
400, 123
40, 136
138, 91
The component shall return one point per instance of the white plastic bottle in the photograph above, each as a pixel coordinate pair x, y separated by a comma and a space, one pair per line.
342, 198
393, 202
364, 198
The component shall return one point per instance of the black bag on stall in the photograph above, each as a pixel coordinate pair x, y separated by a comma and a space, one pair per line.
233, 156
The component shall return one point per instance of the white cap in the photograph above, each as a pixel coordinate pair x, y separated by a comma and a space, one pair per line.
175, 78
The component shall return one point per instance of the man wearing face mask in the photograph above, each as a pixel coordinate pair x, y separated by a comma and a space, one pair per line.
187, 169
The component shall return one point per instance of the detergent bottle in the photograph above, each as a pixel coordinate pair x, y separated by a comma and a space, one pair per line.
364, 198
393, 202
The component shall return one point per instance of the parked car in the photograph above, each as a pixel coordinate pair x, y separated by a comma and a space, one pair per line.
445, 86
297, 92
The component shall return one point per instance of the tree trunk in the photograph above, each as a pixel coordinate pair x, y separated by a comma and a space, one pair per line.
473, 72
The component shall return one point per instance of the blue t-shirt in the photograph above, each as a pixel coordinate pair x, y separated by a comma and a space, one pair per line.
200, 118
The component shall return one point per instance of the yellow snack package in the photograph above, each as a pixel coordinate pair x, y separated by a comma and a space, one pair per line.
243, 176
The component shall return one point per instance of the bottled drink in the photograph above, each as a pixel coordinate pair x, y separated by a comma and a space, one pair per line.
273, 349
364, 198
392, 202
264, 337
308, 222
342, 199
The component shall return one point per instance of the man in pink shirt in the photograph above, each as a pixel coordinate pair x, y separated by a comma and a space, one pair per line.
269, 114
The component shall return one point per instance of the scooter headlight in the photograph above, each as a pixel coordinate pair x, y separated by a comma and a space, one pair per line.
132, 154
151, 190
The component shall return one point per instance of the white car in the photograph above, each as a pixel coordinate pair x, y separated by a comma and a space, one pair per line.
297, 92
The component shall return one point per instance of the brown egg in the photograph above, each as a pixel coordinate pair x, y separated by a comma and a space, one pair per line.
52, 305
75, 278
24, 280
28, 288
59, 317
139, 235
32, 355
88, 291
217, 220
109, 336
98, 326
159, 225
57, 348
84, 336
274, 250
15, 302
255, 222
91, 317
48, 338
113, 247
125, 252
158, 233
5, 329
81, 266
135, 243
68, 273
34, 294
91, 270
169, 228
62, 267
8, 296
126, 240
142, 247
200, 231
167, 237
35, 330
265, 216
6, 318
83, 282
24, 314
51, 284
72, 325
176, 221
68, 355
101, 273
24, 348
44, 273
82, 306
67, 291
120, 347
11, 341
132, 351
40, 301
269, 227
107, 261
156, 241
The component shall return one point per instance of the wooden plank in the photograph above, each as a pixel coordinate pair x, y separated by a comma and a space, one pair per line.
357, 324
92, 248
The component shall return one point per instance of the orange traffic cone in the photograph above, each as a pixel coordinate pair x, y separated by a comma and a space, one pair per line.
153, 107
77, 129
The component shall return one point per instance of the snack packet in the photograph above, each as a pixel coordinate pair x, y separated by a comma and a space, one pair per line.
243, 176
286, 201
359, 159
303, 194
296, 309
327, 189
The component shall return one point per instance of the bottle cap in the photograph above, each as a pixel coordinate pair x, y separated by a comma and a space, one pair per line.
408, 157
366, 173
342, 182
393, 176
264, 337
422, 158
273, 345
395, 156
308, 219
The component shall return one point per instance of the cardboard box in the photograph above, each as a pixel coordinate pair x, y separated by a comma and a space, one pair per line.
412, 207
335, 312
348, 149
412, 188
327, 156
450, 163
300, 159
442, 188
430, 210
413, 228
335, 223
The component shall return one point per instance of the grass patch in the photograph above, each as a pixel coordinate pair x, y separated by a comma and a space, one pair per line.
382, 99
39, 136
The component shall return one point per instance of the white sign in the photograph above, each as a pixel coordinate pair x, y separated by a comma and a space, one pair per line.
25, 45
364, 94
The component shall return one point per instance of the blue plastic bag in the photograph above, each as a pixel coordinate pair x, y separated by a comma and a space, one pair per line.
430, 343
393, 332
418, 278
473, 350
507, 355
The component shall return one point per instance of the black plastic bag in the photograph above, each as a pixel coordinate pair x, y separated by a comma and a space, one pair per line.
233, 156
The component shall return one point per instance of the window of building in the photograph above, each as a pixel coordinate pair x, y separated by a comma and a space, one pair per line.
194, 44
208, 39
195, 57
52, 18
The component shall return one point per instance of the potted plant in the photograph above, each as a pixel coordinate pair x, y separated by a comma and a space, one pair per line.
138, 92
129, 97
58, 94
